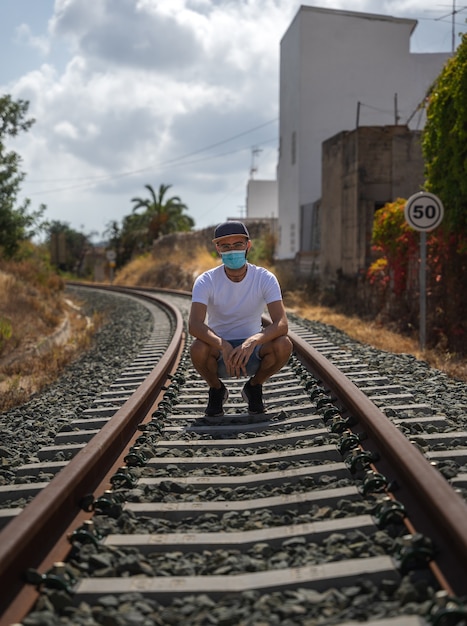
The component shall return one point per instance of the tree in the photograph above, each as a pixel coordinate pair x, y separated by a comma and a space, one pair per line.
68, 247
138, 230
16, 224
395, 243
127, 239
161, 216
444, 146
445, 140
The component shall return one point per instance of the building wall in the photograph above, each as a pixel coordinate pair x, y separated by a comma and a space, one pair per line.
335, 67
261, 199
289, 106
362, 171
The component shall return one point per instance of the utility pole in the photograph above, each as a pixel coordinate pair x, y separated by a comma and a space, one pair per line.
453, 14
396, 111
253, 169
453, 39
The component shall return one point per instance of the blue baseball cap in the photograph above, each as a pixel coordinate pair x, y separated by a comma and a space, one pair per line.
226, 229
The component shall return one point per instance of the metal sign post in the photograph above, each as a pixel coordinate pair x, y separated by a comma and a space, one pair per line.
423, 212
422, 284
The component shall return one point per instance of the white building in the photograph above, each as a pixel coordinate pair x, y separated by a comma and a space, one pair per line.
261, 199
339, 70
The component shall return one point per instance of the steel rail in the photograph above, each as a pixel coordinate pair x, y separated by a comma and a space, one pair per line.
27, 540
438, 511
431, 503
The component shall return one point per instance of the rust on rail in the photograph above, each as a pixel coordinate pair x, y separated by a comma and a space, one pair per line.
438, 510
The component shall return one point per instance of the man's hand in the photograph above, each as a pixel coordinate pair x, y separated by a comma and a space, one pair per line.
236, 359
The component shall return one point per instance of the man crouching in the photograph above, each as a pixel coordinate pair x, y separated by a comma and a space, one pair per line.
225, 319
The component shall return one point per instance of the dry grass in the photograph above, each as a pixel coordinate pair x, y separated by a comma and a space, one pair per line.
167, 270
30, 312
175, 268
375, 335
41, 332
34, 368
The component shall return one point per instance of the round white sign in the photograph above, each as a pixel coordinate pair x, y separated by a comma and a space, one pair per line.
424, 211
111, 255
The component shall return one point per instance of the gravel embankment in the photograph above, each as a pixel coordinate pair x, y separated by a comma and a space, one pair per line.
90, 376
447, 395
35, 423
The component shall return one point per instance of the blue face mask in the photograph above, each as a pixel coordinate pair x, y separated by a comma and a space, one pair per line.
234, 260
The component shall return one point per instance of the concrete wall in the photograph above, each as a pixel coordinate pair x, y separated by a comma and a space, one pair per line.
289, 114
362, 170
330, 61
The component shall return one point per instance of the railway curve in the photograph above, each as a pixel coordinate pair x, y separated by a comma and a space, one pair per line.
323, 500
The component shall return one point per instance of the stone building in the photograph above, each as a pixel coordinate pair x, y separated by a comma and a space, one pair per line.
362, 170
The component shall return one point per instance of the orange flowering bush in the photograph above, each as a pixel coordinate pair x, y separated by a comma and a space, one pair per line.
395, 243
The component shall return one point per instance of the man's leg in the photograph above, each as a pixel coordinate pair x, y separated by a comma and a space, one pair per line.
204, 358
274, 355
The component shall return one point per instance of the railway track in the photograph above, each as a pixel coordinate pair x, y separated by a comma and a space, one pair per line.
321, 509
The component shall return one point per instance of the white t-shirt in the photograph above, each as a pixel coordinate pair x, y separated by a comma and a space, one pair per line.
235, 309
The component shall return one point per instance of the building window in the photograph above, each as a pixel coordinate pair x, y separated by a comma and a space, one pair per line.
379, 205
316, 227
292, 237
294, 148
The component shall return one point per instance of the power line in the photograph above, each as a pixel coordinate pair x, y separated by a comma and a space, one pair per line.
160, 164
452, 14
93, 182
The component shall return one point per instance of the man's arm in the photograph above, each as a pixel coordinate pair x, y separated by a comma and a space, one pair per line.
236, 359
239, 356
198, 328
277, 328
280, 324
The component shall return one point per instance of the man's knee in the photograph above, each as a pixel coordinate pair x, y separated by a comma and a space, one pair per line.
279, 349
200, 351
283, 346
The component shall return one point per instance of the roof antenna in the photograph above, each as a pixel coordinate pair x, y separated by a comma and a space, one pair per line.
453, 14
254, 153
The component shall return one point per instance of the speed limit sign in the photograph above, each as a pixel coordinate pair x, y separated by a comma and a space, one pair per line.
423, 211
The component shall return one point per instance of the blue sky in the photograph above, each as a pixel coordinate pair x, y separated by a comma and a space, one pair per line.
133, 92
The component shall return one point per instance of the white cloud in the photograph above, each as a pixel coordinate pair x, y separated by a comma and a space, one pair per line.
24, 36
140, 104
141, 83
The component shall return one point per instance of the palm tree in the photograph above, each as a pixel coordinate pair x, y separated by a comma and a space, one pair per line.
162, 216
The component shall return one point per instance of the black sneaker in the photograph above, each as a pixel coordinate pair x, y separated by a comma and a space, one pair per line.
217, 397
253, 394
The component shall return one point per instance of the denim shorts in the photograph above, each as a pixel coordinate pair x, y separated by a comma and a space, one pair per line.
252, 365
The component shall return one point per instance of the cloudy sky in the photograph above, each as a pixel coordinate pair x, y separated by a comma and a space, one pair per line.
182, 92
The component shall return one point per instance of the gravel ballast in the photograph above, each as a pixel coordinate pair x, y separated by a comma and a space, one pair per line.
90, 376
34, 424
